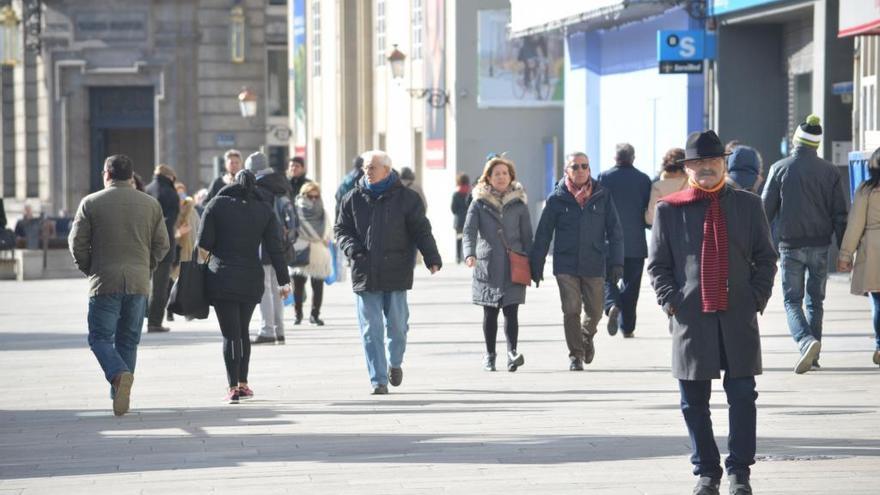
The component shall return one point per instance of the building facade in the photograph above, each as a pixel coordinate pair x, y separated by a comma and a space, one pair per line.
460, 95
156, 80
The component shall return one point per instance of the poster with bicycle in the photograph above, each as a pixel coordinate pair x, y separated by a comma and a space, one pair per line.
518, 72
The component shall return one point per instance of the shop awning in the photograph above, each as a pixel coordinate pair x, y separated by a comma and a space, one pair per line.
859, 17
529, 17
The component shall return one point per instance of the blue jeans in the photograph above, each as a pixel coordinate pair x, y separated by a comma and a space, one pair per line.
797, 264
115, 324
626, 296
742, 417
376, 311
875, 303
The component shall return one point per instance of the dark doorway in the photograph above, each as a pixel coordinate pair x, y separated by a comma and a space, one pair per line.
122, 122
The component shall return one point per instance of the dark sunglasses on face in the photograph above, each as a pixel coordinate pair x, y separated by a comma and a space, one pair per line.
583, 166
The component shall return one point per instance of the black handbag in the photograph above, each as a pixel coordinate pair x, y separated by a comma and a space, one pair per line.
188, 295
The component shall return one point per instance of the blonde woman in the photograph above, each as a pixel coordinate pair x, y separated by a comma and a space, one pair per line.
497, 219
312, 227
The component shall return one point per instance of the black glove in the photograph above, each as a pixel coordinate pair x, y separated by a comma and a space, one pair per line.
616, 274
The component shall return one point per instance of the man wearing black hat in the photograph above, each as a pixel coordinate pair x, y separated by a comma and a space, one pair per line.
805, 194
711, 263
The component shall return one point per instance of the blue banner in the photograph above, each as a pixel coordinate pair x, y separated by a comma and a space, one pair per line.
684, 46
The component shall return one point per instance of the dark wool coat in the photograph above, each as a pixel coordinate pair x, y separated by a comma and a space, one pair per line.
380, 236
698, 338
580, 234
232, 229
492, 285
162, 188
631, 189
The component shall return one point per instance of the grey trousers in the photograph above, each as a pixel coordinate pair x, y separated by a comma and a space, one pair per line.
576, 293
271, 305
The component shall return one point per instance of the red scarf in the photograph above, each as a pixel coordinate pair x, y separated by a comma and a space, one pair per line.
713, 263
581, 194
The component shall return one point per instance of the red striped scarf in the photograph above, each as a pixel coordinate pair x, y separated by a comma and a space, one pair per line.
713, 254
581, 194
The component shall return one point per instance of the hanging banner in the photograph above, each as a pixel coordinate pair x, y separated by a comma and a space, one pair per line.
298, 75
435, 77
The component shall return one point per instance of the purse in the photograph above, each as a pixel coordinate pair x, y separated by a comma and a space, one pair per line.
520, 271
188, 295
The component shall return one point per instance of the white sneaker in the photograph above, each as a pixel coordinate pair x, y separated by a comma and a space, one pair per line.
806, 361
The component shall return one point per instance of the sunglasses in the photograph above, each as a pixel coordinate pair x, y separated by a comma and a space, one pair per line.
583, 166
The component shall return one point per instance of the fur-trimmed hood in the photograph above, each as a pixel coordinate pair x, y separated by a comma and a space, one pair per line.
484, 192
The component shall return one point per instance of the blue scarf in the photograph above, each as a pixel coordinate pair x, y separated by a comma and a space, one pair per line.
380, 187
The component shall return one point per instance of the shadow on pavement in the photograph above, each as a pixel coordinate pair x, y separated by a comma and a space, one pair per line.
45, 443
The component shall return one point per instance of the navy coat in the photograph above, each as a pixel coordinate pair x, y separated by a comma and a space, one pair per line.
631, 190
674, 268
581, 234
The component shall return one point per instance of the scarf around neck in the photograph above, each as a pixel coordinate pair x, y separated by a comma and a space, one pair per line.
581, 194
714, 268
380, 187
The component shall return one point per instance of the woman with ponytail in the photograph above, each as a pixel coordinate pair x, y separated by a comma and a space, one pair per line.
233, 226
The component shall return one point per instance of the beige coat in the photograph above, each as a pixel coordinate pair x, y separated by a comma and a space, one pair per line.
663, 187
117, 239
188, 219
862, 238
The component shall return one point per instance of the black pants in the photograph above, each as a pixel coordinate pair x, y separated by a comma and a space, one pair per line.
626, 296
159, 293
490, 326
459, 253
234, 318
299, 292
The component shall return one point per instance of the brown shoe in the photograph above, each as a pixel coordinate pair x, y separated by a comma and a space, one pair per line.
122, 392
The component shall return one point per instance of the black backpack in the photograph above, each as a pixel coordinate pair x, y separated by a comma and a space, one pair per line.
286, 213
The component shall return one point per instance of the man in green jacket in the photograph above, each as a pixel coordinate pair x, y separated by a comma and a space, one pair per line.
117, 239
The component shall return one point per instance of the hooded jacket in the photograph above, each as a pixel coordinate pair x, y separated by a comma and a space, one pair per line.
482, 239
270, 185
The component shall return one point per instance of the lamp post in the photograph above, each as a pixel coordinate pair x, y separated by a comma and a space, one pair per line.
437, 98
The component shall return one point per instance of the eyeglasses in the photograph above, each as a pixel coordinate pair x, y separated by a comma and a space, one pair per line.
583, 166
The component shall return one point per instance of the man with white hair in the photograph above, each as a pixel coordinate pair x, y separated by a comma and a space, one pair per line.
380, 224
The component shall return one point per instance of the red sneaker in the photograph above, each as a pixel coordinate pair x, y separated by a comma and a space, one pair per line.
245, 392
232, 396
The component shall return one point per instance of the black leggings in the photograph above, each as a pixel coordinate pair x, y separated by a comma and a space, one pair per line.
299, 292
234, 318
490, 326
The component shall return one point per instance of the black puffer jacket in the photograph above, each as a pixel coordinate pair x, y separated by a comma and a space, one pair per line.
806, 193
270, 185
162, 188
232, 228
380, 235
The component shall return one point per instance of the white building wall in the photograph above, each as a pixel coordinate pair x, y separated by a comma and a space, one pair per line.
645, 109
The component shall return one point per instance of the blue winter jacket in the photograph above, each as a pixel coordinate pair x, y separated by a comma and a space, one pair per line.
581, 234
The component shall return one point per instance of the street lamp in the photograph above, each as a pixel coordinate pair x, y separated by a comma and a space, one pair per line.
9, 35
437, 98
247, 102
236, 34
396, 60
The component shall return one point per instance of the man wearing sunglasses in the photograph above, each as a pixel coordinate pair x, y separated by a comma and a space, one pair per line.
581, 216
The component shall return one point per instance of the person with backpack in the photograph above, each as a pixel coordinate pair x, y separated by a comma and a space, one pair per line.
349, 181
312, 226
273, 189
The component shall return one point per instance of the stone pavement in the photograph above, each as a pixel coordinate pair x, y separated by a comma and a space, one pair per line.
314, 428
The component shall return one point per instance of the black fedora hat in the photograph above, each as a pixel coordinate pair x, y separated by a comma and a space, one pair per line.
702, 145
